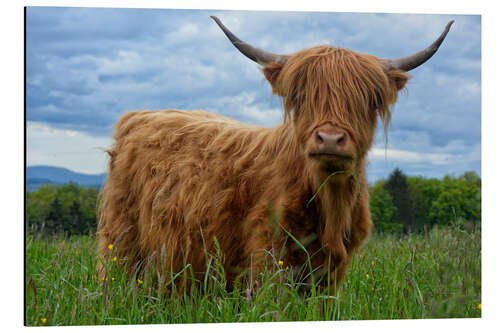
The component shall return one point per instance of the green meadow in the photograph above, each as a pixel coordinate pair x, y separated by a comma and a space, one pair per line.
431, 274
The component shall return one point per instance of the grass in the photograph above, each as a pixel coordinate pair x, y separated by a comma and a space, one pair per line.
431, 275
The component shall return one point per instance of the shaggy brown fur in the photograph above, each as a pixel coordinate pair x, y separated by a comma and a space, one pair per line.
180, 179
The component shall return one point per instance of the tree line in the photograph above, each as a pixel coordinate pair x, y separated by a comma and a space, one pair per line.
66, 209
403, 204
399, 205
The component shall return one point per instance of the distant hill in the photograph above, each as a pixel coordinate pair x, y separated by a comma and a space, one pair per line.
37, 176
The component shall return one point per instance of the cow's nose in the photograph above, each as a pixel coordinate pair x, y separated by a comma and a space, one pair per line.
326, 140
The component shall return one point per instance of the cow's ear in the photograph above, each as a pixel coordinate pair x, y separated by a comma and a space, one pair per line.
398, 78
271, 72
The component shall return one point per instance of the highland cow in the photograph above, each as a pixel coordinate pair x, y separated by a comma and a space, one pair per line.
189, 181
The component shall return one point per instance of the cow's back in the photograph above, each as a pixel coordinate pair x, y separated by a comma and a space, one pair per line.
170, 185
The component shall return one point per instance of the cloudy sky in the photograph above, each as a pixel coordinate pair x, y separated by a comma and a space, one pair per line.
86, 67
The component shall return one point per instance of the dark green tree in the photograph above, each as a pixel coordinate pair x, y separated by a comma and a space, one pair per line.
89, 200
74, 223
397, 187
54, 221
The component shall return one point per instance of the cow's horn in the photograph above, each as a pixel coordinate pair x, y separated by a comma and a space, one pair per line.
259, 56
408, 63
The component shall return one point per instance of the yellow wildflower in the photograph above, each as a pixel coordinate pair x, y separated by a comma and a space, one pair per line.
43, 320
115, 258
110, 246
479, 306
139, 281
280, 262
112, 279
367, 276
373, 262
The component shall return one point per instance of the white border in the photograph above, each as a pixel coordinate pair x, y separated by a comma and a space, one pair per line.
12, 69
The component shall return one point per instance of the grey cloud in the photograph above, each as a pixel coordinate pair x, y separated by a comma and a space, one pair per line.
86, 67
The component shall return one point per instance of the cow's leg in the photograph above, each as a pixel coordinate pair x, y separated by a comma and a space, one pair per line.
258, 251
